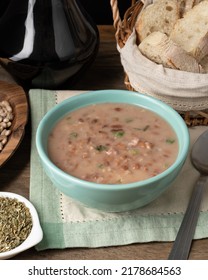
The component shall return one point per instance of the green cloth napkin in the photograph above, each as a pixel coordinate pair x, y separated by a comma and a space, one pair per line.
66, 223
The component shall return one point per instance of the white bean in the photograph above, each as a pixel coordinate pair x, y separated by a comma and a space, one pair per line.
6, 117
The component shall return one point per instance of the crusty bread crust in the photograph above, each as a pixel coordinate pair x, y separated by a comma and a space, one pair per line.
159, 48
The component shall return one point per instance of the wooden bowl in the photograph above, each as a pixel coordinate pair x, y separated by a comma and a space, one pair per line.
16, 96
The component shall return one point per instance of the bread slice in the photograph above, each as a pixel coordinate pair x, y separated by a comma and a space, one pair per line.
191, 31
159, 48
159, 16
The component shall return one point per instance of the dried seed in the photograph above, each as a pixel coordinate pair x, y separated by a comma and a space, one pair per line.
4, 141
7, 106
6, 117
10, 116
3, 132
6, 120
9, 124
8, 132
3, 124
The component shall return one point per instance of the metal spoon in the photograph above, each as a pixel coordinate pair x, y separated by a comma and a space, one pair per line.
199, 159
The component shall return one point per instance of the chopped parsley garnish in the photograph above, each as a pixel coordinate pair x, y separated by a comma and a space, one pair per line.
101, 148
134, 152
128, 120
119, 133
146, 127
101, 165
73, 135
170, 140
143, 129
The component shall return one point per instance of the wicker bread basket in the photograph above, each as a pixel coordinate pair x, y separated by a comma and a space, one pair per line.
124, 28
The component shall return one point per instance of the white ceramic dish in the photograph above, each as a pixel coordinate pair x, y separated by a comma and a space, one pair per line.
36, 233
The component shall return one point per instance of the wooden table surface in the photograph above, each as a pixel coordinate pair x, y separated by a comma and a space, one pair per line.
105, 73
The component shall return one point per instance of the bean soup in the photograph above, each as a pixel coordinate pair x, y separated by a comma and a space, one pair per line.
112, 143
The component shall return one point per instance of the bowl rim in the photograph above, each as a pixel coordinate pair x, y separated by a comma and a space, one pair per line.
36, 233
92, 185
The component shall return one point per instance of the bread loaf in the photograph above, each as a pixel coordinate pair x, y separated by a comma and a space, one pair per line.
159, 48
159, 16
191, 31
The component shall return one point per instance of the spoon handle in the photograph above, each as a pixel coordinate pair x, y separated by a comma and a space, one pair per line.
182, 244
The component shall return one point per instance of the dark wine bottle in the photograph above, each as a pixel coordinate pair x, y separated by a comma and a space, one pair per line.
46, 43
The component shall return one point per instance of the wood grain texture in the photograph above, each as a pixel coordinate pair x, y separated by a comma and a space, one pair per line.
105, 73
16, 96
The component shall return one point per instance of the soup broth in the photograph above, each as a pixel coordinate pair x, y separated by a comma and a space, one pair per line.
112, 143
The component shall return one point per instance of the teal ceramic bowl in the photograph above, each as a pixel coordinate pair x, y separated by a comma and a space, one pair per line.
118, 197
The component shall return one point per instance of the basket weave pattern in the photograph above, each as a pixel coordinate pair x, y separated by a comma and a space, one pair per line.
124, 28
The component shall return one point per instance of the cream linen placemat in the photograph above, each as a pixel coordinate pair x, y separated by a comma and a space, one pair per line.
66, 223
